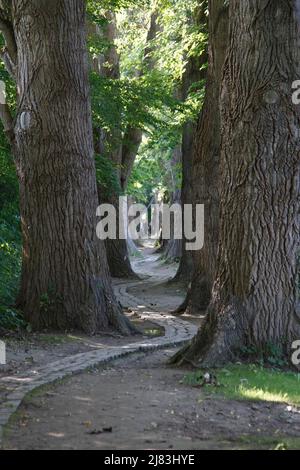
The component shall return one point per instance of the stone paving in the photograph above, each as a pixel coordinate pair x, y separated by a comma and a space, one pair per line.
177, 332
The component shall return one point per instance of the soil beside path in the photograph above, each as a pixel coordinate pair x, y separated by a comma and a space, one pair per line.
138, 402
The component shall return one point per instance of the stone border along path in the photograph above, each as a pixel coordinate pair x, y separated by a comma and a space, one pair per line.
177, 332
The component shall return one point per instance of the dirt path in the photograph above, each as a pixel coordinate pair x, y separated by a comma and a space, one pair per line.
140, 403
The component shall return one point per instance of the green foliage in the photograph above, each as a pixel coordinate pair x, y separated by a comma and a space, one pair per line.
106, 175
135, 102
272, 355
181, 36
11, 319
8, 180
10, 264
96, 7
10, 236
147, 174
178, 40
143, 97
10, 91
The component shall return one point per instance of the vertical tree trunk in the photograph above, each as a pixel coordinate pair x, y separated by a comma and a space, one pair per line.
126, 147
109, 67
186, 263
206, 161
194, 72
172, 248
255, 301
65, 281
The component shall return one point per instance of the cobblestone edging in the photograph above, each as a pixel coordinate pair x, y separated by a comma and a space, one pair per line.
177, 332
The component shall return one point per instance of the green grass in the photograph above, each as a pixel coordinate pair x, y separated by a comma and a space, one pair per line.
252, 382
258, 442
154, 332
269, 443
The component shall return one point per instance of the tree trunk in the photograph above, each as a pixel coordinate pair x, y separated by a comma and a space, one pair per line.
172, 248
65, 282
206, 162
117, 250
186, 263
195, 72
130, 146
255, 301
108, 66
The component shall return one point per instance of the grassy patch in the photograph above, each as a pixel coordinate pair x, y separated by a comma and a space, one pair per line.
168, 261
270, 443
153, 332
252, 382
40, 392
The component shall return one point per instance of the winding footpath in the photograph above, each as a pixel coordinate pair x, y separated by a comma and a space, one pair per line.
177, 332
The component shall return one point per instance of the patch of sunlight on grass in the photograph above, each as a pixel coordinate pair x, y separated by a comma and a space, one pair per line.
252, 382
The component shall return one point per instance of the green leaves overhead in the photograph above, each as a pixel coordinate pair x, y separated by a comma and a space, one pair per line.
95, 7
143, 102
146, 97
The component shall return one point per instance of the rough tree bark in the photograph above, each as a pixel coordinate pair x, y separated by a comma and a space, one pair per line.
125, 152
254, 300
206, 162
65, 282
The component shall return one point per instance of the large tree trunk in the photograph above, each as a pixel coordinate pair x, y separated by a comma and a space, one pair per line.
206, 162
65, 281
254, 301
